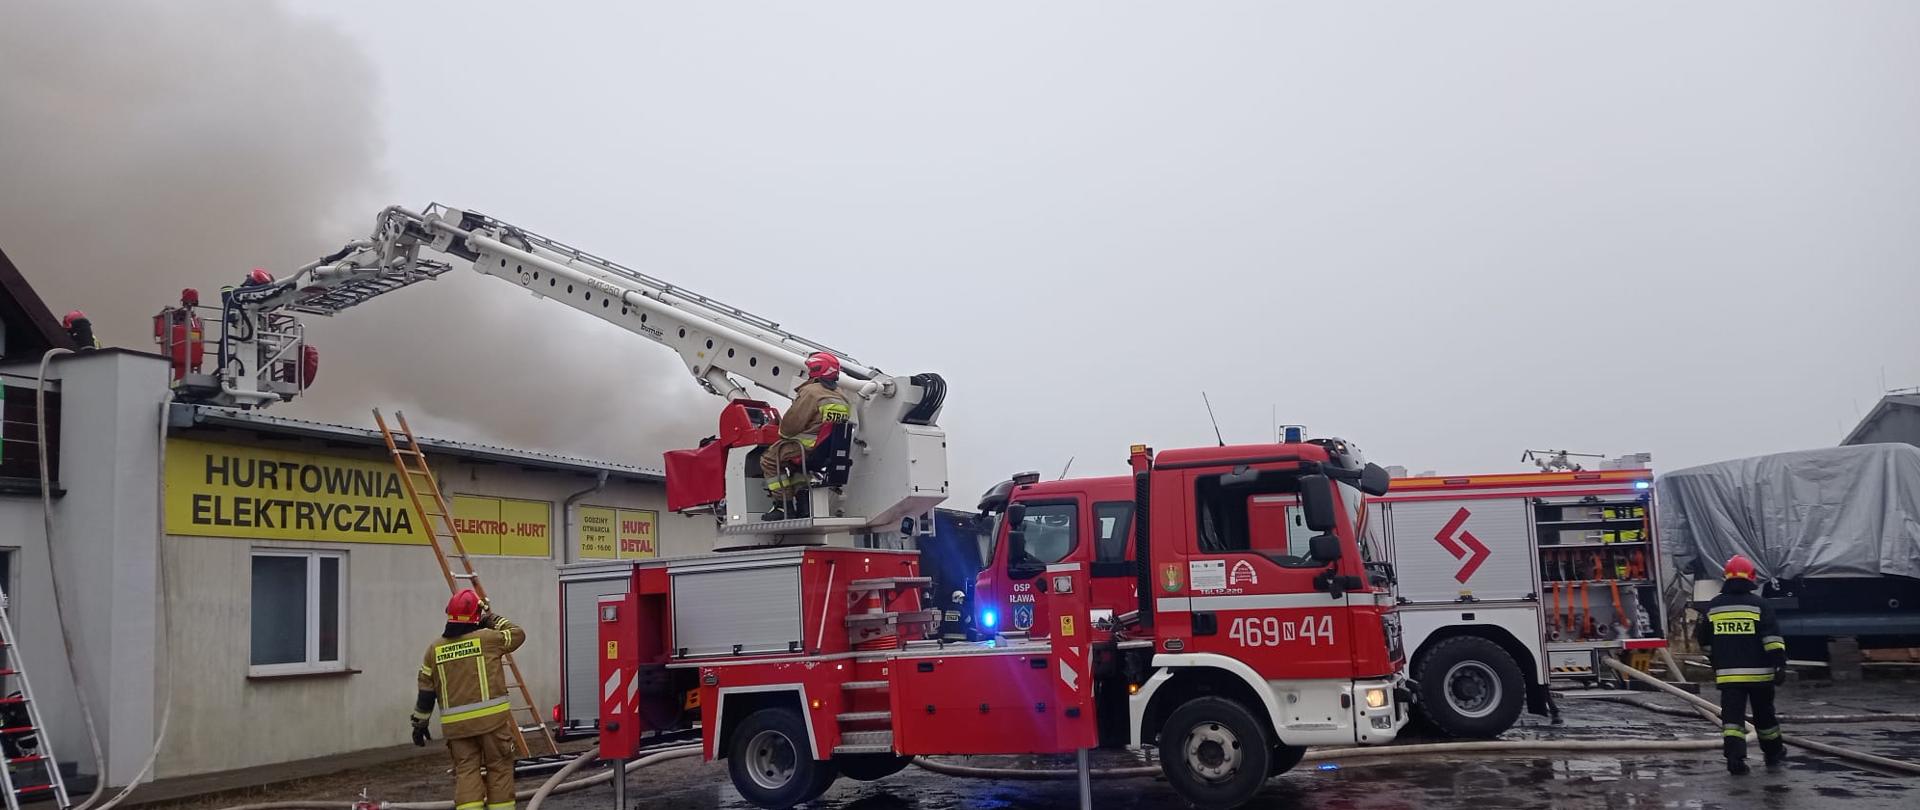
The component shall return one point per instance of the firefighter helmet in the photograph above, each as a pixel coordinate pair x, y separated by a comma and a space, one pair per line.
77, 315
1739, 568
258, 276
466, 607
822, 366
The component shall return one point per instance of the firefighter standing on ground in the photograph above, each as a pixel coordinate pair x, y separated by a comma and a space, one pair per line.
1749, 658
815, 403
462, 672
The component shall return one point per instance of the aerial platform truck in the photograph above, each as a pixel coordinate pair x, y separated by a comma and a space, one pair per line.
801, 650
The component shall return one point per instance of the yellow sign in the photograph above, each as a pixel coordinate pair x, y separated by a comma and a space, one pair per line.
250, 493
613, 650
1066, 625
226, 490
622, 534
508, 526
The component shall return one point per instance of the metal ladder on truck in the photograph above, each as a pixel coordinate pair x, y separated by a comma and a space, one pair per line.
437, 517
28, 772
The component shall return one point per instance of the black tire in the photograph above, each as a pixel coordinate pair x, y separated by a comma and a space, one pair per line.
1470, 687
1284, 758
1215, 752
870, 767
771, 761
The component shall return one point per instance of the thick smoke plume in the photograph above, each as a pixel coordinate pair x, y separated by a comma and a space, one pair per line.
146, 147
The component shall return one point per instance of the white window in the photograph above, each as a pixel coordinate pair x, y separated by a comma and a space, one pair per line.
299, 612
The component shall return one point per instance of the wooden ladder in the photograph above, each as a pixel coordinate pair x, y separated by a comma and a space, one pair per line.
455, 565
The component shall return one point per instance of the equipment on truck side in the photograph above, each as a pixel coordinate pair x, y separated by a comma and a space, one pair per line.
895, 467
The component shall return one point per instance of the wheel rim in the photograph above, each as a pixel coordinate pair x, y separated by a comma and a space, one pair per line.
1213, 752
771, 760
1473, 689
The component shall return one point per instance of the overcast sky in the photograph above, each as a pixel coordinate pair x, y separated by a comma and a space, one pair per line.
1448, 232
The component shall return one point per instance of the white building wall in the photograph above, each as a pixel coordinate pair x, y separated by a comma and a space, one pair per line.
395, 598
105, 542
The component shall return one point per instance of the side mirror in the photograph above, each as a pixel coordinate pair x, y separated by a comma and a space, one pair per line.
1316, 503
1374, 479
1324, 548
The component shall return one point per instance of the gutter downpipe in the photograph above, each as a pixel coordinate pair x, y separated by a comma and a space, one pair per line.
566, 512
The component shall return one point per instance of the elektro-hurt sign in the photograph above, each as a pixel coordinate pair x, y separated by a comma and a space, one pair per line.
250, 493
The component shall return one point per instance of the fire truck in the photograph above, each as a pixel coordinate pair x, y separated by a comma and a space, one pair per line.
1503, 582
801, 665
801, 650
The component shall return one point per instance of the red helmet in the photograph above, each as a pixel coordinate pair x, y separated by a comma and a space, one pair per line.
77, 315
1739, 568
259, 275
822, 366
466, 607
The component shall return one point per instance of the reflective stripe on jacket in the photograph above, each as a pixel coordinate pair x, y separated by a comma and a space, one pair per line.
1744, 637
814, 404
468, 680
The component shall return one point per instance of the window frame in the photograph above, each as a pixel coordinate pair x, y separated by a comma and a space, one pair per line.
1072, 501
312, 665
1200, 510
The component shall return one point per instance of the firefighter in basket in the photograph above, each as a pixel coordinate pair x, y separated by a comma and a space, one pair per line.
817, 402
463, 673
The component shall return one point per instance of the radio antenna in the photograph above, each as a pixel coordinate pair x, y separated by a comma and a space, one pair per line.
1063, 470
1216, 423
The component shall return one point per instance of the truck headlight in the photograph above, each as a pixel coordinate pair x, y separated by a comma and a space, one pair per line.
1377, 697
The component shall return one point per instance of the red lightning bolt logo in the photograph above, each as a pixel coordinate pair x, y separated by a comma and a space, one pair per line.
1462, 544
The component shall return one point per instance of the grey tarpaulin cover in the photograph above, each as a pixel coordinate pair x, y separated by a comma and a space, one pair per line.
1834, 512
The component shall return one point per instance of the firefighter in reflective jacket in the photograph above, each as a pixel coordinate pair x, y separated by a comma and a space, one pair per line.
462, 672
815, 403
1749, 658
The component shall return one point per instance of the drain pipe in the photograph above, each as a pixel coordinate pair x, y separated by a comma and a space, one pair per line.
566, 512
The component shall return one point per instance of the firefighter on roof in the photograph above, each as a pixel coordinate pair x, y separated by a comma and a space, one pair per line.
462, 672
1749, 658
817, 402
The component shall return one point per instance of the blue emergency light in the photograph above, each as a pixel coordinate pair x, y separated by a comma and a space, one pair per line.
989, 618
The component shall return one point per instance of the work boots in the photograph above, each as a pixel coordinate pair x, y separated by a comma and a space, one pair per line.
1734, 745
1775, 753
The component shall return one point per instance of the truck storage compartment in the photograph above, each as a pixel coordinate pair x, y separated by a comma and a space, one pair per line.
940, 708
738, 609
581, 587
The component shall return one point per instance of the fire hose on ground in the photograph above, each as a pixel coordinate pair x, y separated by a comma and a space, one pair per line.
1861, 757
1644, 702
535, 797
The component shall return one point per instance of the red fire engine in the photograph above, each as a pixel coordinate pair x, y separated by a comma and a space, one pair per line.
1504, 582
800, 665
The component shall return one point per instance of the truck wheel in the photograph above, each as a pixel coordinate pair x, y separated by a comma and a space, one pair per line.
1285, 758
1215, 753
772, 764
1470, 687
870, 767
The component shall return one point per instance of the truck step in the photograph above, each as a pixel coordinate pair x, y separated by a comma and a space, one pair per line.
864, 685
863, 717
865, 742
893, 617
889, 583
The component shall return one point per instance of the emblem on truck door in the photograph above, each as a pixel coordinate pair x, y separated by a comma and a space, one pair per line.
1463, 545
1170, 578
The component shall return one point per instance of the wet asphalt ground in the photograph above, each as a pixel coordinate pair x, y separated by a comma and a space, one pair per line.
1560, 781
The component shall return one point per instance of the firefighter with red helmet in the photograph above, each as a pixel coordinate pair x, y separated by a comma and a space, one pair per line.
80, 328
817, 402
462, 673
1749, 659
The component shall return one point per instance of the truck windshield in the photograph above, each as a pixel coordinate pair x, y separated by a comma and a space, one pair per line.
1354, 501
